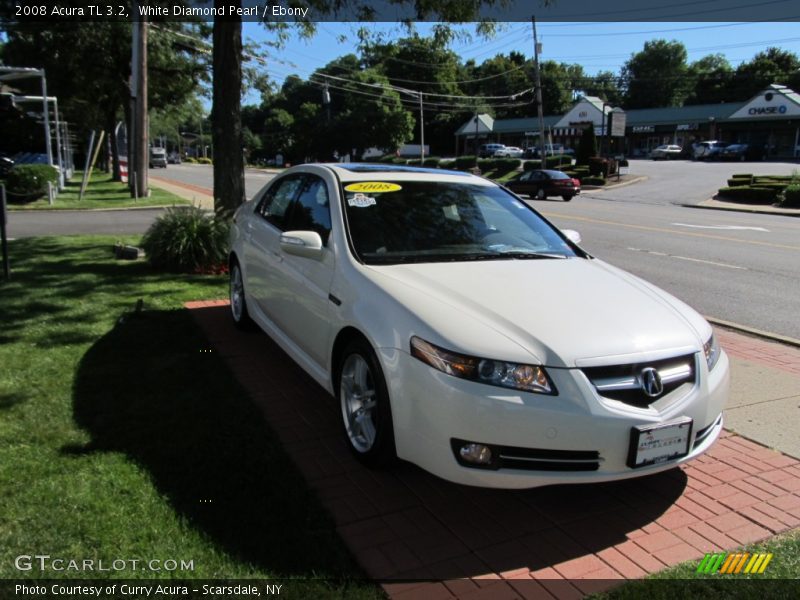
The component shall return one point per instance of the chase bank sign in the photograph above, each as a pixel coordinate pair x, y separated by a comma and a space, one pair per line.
767, 110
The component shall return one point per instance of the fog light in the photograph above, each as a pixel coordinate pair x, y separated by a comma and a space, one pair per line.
476, 453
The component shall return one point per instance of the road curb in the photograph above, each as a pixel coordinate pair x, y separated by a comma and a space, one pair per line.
755, 211
773, 337
592, 188
85, 210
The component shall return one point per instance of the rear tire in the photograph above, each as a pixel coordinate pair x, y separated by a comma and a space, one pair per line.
364, 402
241, 318
566, 198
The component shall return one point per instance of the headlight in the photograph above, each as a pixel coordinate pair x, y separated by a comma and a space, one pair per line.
711, 349
528, 378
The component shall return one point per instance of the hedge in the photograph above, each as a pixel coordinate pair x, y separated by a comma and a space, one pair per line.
431, 161
464, 163
791, 196
739, 181
204, 161
447, 164
750, 194
30, 181
593, 181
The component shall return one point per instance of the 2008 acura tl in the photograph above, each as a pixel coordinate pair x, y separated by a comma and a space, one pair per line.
461, 331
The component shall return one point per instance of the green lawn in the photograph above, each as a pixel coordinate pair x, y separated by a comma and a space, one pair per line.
779, 580
101, 192
120, 438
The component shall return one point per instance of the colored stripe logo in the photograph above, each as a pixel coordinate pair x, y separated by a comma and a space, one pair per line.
734, 563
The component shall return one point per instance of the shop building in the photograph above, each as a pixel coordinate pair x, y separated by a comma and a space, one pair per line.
770, 119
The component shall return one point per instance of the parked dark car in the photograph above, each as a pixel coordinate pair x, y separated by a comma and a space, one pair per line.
542, 183
742, 152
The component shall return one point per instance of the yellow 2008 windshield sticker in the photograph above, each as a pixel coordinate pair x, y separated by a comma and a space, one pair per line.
373, 187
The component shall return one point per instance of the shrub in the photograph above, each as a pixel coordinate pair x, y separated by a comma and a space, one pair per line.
30, 181
531, 165
414, 162
593, 180
602, 166
464, 163
187, 240
191, 160
204, 161
506, 164
553, 162
447, 164
431, 161
742, 175
739, 181
749, 194
387, 158
791, 196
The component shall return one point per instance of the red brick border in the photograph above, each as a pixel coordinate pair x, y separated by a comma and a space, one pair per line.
440, 540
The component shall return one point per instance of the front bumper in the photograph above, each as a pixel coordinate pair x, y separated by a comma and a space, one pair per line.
430, 409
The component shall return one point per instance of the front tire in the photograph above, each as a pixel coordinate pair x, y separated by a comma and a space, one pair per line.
241, 318
540, 195
364, 401
566, 197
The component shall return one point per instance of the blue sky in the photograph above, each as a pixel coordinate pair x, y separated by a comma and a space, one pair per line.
596, 46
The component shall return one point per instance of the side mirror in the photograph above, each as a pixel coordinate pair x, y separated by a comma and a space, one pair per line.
307, 244
572, 235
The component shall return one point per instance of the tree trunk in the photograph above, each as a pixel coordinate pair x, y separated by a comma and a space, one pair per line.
226, 113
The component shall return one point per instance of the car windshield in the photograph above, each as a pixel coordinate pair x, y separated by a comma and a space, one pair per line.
445, 222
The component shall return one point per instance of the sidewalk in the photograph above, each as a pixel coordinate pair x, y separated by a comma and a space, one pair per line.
424, 537
198, 196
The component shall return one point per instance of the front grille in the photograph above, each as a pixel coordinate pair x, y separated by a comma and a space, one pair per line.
533, 459
624, 382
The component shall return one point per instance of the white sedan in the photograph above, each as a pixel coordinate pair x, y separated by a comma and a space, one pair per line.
666, 152
459, 330
509, 152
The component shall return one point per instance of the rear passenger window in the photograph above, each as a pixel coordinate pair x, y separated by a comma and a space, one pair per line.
275, 204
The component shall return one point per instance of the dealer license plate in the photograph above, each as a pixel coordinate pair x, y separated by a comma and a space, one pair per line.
654, 444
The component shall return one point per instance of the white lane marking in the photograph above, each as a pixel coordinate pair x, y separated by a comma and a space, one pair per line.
698, 260
729, 227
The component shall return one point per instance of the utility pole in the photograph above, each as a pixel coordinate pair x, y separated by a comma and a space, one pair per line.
421, 132
536, 50
140, 150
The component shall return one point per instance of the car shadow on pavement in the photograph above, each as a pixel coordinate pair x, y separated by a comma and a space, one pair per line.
404, 523
152, 390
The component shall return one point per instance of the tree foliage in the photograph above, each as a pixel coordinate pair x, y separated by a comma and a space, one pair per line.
656, 76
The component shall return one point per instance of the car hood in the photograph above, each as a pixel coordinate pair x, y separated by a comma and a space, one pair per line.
563, 312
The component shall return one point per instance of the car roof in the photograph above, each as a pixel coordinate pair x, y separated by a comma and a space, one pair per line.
368, 171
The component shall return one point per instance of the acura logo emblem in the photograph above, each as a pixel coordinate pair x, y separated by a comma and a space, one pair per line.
651, 382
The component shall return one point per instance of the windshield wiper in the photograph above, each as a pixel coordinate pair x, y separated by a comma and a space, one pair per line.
520, 255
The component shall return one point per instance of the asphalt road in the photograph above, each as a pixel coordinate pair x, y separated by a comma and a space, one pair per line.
685, 181
734, 266
737, 267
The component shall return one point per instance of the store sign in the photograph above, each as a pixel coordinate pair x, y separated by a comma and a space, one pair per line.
688, 127
644, 128
618, 120
767, 110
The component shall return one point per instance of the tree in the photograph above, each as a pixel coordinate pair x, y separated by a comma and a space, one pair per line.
711, 78
656, 76
771, 66
587, 146
88, 67
226, 111
604, 85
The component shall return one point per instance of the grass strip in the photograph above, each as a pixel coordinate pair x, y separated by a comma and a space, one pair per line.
101, 192
121, 438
